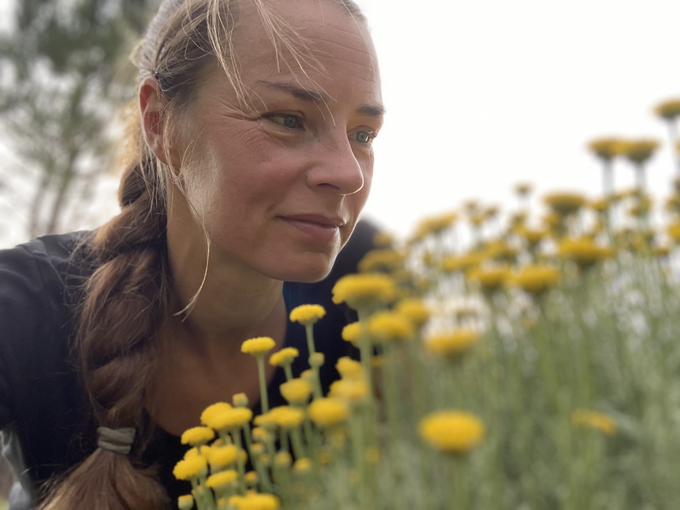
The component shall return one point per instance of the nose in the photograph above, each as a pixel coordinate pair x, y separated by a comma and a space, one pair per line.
336, 167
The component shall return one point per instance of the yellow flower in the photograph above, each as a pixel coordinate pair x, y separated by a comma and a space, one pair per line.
386, 260
435, 225
317, 359
284, 356
386, 326
255, 501
260, 434
213, 410
287, 417
452, 344
582, 250
605, 148
307, 314
240, 400
223, 456
452, 263
490, 278
452, 431
326, 412
296, 391
197, 436
533, 237
673, 231
668, 110
302, 465
600, 205
257, 449
638, 151
523, 188
536, 279
595, 420
564, 203
185, 502
251, 478
198, 451
258, 346
227, 419
283, 459
186, 469
351, 390
351, 332
383, 239
417, 312
222, 479
364, 290
349, 368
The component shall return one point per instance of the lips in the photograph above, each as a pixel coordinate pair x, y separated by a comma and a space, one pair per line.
315, 227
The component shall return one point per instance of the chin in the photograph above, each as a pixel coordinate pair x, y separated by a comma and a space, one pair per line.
304, 269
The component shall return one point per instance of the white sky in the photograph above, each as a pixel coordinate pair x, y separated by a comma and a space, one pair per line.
482, 94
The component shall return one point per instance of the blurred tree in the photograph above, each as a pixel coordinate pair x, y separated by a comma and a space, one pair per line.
61, 82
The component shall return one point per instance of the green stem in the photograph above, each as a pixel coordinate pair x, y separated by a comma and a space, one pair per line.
264, 398
236, 436
309, 329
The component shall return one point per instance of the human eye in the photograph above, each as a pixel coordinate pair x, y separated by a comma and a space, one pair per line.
287, 120
364, 136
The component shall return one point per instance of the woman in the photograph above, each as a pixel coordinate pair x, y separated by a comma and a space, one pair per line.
254, 161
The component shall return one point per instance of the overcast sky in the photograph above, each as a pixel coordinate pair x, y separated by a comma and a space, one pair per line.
482, 94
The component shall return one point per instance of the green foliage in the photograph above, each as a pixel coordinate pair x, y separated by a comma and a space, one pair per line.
63, 78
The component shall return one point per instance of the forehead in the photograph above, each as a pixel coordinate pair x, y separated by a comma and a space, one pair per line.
312, 42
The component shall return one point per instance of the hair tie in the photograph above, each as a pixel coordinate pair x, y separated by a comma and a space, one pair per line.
116, 440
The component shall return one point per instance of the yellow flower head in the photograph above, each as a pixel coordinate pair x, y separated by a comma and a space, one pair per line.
452, 263
349, 368
317, 359
536, 279
266, 421
350, 390
594, 420
452, 431
260, 434
605, 148
417, 312
222, 479
240, 400
352, 332
296, 391
287, 417
638, 151
364, 290
223, 456
283, 459
302, 465
668, 110
255, 501
198, 436
185, 502
229, 419
582, 250
213, 410
385, 260
523, 188
435, 225
258, 346
307, 314
489, 278
186, 469
673, 231
452, 344
326, 412
257, 449
383, 239
565, 203
251, 478
386, 326
284, 357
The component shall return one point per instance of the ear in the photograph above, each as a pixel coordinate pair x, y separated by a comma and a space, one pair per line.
151, 104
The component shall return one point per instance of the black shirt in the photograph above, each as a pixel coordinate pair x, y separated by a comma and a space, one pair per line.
44, 415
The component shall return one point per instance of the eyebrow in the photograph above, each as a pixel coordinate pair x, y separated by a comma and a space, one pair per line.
317, 97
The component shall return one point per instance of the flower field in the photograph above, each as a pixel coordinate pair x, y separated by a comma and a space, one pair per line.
532, 364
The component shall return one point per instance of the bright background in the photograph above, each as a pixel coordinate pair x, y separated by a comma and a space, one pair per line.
482, 94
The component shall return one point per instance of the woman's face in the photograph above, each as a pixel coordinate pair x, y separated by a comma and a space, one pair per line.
279, 186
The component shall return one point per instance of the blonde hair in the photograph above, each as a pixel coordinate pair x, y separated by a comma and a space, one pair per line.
128, 296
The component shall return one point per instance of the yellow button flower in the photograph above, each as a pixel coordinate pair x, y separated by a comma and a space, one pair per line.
489, 278
260, 434
186, 469
565, 203
668, 110
258, 346
197, 436
351, 332
296, 391
284, 356
307, 314
255, 501
351, 390
386, 326
240, 400
349, 368
605, 148
223, 456
229, 419
185, 502
251, 478
364, 290
638, 151
211, 411
536, 279
326, 412
287, 417
417, 312
283, 459
594, 420
582, 250
386, 260
452, 344
302, 465
454, 432
222, 479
